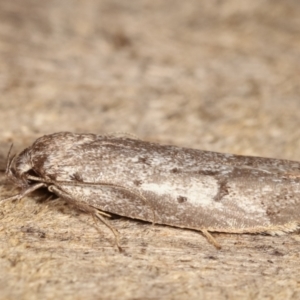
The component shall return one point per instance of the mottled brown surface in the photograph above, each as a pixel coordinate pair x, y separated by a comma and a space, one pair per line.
214, 75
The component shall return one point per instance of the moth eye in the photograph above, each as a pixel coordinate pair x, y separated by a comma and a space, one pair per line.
25, 175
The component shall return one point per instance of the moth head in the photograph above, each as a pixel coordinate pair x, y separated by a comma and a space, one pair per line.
18, 167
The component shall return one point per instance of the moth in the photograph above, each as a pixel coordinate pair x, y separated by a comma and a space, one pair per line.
180, 187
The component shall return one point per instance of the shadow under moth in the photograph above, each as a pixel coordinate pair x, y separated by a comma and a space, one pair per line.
181, 187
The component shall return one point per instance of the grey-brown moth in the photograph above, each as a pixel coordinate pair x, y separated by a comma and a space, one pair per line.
181, 187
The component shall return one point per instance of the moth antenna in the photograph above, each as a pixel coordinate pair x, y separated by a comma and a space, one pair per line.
9, 159
98, 215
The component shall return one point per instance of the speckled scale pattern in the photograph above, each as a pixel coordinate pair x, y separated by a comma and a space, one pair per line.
183, 187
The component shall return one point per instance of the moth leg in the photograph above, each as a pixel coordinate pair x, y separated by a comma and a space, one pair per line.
86, 208
210, 238
98, 214
104, 214
26, 192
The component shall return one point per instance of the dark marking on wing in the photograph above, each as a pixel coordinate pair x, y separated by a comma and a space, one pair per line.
137, 182
222, 190
181, 199
77, 177
143, 160
208, 172
174, 170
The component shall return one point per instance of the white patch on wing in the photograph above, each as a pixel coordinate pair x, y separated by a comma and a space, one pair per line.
197, 191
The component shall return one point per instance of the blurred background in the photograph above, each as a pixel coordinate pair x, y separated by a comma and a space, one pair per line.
218, 75
214, 75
